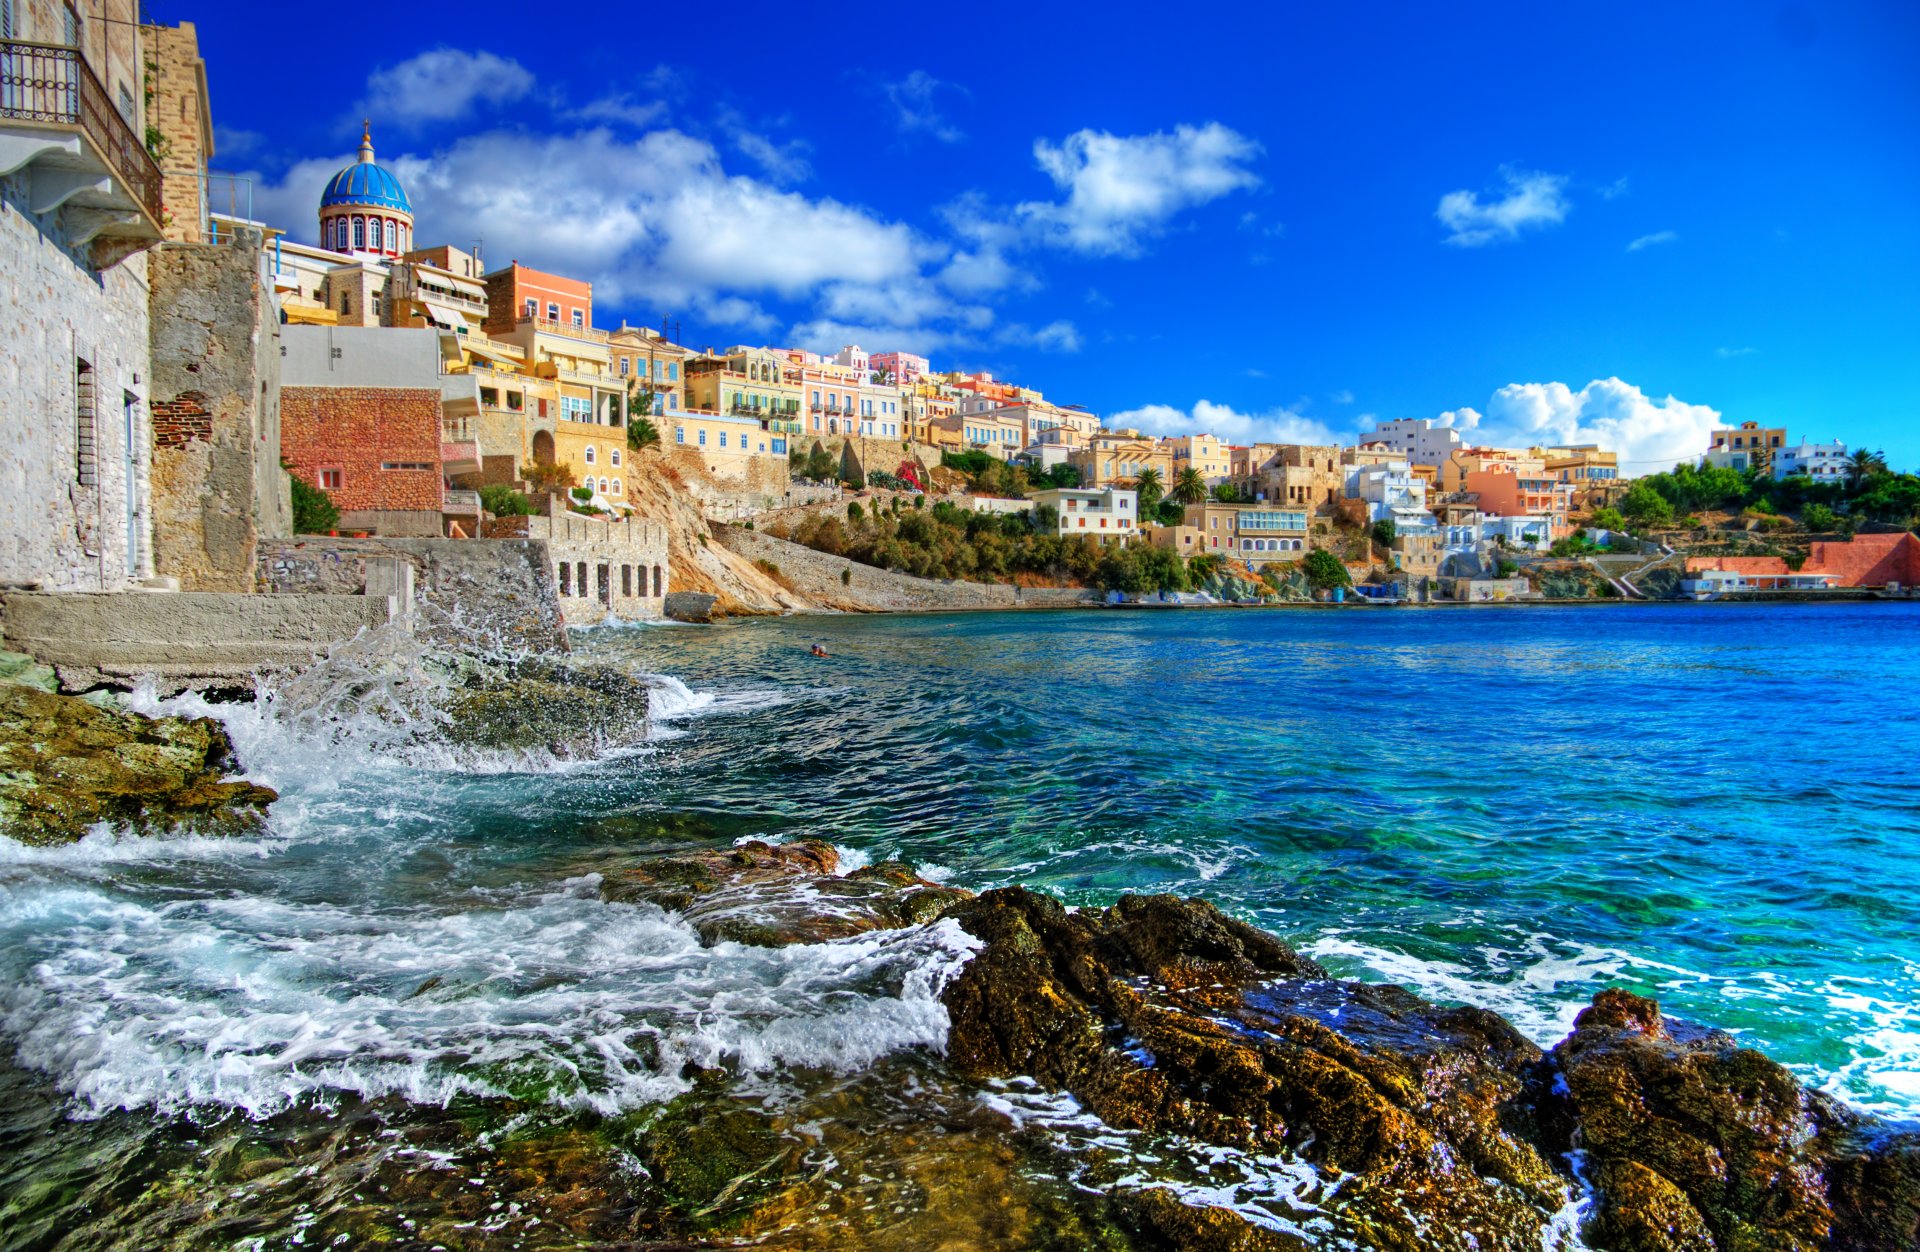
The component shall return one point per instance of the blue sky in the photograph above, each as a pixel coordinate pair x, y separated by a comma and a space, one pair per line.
1613, 221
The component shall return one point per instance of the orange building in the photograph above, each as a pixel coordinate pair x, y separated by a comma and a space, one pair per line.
518, 294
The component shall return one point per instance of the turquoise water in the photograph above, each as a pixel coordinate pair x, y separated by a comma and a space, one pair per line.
1712, 804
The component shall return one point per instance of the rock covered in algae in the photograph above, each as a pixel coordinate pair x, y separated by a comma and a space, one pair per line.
542, 705
770, 895
67, 764
1693, 1141
1162, 1014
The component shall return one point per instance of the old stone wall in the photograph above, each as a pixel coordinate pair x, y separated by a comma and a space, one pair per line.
177, 110
836, 580
383, 442
605, 570
477, 593
189, 639
74, 432
217, 481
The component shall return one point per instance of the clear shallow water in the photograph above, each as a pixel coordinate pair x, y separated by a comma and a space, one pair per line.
1712, 804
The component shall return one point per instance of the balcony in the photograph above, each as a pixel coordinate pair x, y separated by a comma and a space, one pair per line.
57, 122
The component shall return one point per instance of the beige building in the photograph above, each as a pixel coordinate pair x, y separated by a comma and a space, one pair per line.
1254, 535
1301, 476
651, 367
1119, 457
989, 432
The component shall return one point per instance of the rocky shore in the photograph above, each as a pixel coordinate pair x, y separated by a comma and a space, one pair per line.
1411, 1125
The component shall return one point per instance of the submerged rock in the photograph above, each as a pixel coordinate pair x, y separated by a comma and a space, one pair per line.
542, 705
67, 764
771, 895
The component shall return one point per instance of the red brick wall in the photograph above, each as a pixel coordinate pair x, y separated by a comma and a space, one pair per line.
353, 430
1869, 560
181, 420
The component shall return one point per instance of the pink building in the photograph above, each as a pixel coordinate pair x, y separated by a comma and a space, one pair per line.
904, 367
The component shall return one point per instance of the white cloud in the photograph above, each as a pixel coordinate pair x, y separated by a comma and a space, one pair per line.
1122, 189
916, 106
1532, 200
784, 163
655, 218
1648, 434
233, 143
1276, 425
1342, 396
1615, 189
624, 109
443, 85
1655, 239
1727, 354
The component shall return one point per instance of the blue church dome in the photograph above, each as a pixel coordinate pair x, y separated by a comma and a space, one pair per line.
364, 183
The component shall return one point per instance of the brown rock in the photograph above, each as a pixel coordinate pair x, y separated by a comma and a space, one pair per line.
67, 764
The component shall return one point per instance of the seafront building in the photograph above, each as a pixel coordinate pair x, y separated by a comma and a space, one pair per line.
1100, 514
1253, 535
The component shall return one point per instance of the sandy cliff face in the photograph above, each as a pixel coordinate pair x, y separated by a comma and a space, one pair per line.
658, 482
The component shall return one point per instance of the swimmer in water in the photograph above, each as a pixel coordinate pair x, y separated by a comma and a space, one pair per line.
818, 650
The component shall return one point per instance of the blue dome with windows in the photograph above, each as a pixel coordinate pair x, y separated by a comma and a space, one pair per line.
364, 183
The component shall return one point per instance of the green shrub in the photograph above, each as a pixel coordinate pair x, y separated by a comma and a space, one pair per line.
503, 501
313, 511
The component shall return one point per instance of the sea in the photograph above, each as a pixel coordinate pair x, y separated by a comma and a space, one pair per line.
1715, 805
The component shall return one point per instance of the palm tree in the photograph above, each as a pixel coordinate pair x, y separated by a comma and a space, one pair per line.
1863, 465
641, 433
1148, 486
1189, 486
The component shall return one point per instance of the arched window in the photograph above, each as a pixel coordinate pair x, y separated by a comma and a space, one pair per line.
589, 454
616, 486
359, 232
406, 236
393, 235
604, 489
656, 580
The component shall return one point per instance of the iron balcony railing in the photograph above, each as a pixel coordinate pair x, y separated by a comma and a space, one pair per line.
52, 85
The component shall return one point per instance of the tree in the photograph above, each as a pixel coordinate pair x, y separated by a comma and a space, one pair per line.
1170, 513
1608, 519
548, 478
1645, 506
1325, 570
1064, 475
1820, 519
1863, 465
1384, 531
1148, 487
1226, 493
1189, 486
641, 433
313, 510
639, 403
854, 511
820, 464
503, 501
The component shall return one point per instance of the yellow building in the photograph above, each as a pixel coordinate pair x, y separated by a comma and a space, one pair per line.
1747, 446
756, 383
1205, 453
736, 451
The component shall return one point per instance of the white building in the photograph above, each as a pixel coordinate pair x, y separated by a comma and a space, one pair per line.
1420, 440
1535, 533
1102, 514
80, 202
1822, 462
1391, 491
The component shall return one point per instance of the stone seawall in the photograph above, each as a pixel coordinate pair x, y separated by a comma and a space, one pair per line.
838, 583
185, 639
481, 591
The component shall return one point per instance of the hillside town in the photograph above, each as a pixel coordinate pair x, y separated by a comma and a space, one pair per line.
197, 397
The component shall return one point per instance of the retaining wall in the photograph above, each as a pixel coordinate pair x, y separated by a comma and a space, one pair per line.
185, 639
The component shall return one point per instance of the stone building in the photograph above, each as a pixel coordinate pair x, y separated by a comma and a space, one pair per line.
80, 203
605, 570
